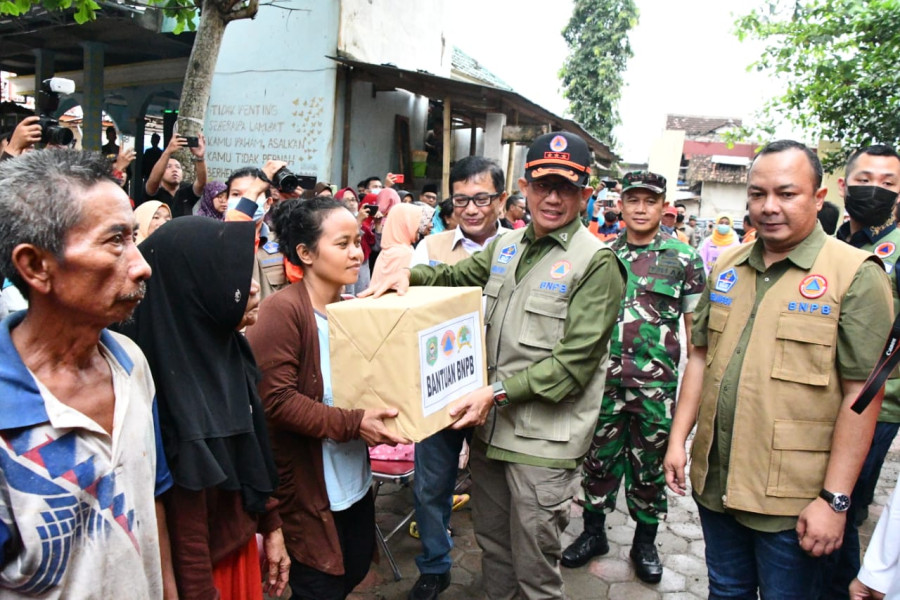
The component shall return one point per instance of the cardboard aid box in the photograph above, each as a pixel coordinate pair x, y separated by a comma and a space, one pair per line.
417, 352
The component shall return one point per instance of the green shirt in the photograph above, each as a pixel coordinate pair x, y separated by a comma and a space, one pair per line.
575, 358
885, 243
857, 352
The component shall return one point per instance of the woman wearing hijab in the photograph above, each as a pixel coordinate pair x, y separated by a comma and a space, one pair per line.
723, 237
405, 226
150, 216
324, 489
214, 201
211, 418
370, 224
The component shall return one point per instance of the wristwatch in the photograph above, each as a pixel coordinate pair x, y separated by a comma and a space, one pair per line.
500, 397
838, 502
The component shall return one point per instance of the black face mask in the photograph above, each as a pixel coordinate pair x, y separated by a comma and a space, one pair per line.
869, 205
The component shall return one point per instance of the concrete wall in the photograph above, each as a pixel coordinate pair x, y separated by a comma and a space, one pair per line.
373, 147
728, 198
273, 93
408, 35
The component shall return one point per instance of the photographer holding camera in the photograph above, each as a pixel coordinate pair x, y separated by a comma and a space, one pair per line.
26, 134
165, 181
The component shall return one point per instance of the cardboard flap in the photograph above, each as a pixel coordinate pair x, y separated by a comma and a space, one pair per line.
378, 330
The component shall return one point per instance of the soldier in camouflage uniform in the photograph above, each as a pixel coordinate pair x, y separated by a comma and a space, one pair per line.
665, 281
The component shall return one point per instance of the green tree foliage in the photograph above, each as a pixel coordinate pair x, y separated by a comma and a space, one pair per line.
86, 10
839, 61
597, 35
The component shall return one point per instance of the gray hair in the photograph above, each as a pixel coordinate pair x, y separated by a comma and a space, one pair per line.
40, 201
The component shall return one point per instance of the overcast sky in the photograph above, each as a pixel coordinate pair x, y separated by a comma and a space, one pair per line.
686, 60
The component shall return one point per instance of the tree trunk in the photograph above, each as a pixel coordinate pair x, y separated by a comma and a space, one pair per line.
198, 78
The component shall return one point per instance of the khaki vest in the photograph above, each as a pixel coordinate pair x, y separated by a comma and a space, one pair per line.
524, 322
268, 268
441, 249
789, 392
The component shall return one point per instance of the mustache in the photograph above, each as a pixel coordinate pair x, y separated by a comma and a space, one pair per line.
136, 295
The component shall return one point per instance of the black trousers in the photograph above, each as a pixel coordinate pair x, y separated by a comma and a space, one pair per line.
356, 532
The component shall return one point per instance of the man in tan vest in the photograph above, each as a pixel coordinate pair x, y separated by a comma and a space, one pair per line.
476, 185
778, 448
552, 293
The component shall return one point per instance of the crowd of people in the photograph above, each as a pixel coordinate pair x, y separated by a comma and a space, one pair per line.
168, 427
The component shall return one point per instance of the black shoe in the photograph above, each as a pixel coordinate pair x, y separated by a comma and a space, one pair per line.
585, 547
647, 566
429, 586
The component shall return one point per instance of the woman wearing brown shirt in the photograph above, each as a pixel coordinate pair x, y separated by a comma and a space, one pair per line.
324, 476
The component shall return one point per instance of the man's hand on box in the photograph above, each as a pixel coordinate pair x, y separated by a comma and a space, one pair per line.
473, 408
398, 281
373, 430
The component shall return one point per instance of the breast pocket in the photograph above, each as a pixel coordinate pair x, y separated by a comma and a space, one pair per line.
491, 294
544, 321
665, 299
804, 349
718, 317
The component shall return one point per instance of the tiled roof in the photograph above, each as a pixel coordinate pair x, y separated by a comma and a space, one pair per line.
699, 126
470, 67
702, 168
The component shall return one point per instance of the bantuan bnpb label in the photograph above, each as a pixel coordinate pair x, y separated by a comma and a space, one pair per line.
450, 361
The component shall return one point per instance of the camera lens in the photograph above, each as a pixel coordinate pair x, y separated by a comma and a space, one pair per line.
285, 181
60, 136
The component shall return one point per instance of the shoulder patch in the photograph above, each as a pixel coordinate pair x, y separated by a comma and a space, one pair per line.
726, 281
271, 247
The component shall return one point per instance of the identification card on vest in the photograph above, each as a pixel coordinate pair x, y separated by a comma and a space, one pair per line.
450, 360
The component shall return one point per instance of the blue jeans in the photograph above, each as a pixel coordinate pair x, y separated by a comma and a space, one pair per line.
437, 462
741, 560
846, 561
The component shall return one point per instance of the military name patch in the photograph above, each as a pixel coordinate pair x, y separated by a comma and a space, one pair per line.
719, 299
560, 269
885, 249
813, 286
506, 254
726, 281
809, 307
553, 286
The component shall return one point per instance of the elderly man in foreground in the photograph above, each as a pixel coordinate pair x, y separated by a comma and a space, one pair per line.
81, 462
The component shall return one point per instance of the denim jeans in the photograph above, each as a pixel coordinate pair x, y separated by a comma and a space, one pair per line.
845, 564
741, 561
437, 462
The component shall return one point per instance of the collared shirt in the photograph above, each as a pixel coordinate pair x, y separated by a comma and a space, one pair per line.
77, 505
575, 358
665, 280
857, 353
420, 254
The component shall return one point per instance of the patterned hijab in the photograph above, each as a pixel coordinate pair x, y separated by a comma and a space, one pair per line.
207, 206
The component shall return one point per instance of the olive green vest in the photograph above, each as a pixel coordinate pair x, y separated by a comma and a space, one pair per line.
524, 322
789, 393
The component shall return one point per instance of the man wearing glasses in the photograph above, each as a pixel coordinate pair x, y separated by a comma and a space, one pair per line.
477, 184
552, 298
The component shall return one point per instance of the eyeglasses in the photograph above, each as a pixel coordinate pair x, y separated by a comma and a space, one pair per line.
564, 190
483, 199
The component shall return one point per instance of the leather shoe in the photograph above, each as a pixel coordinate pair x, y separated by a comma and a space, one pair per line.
585, 547
429, 586
647, 565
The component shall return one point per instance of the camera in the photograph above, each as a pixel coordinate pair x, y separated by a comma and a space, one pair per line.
286, 182
47, 103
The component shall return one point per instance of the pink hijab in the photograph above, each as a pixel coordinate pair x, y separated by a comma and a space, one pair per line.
387, 199
401, 229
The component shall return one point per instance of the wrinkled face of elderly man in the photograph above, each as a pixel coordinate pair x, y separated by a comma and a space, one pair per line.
67, 237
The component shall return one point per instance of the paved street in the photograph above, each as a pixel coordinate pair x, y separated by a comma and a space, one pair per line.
680, 544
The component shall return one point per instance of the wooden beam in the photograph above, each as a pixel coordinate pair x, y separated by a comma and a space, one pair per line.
524, 134
445, 166
345, 150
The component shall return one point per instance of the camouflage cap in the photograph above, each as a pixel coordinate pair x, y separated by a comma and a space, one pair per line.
645, 180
